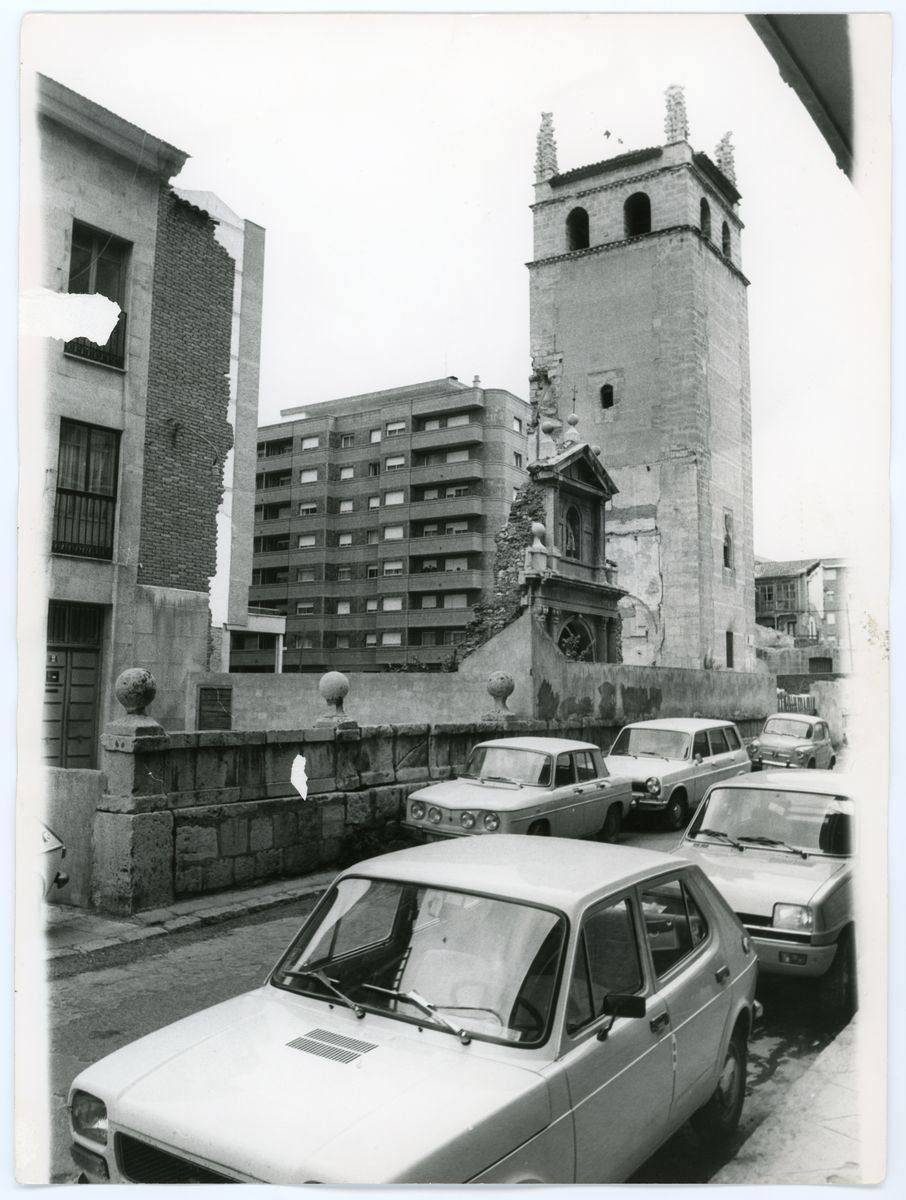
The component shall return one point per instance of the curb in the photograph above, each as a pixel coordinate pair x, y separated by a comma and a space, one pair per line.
182, 917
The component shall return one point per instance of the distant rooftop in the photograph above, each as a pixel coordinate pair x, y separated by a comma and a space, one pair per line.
766, 568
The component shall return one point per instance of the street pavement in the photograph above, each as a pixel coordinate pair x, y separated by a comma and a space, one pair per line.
182, 963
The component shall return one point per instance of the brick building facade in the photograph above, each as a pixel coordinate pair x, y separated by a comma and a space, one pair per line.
639, 325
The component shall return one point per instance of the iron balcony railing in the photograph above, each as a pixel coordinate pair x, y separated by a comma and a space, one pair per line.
113, 354
83, 524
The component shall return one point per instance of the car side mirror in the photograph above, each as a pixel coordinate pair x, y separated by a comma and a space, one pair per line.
618, 1005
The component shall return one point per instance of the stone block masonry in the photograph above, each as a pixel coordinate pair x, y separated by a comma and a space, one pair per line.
187, 435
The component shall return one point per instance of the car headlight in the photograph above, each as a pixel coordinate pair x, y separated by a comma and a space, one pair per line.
653, 785
435, 816
417, 810
467, 820
793, 916
89, 1117
491, 822
800, 752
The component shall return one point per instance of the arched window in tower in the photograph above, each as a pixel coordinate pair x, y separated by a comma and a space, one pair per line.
577, 229
705, 210
637, 215
573, 547
606, 394
725, 239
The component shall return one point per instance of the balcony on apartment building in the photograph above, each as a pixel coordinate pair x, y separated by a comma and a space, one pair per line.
468, 433
446, 472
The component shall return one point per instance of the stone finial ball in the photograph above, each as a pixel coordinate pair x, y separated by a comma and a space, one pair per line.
538, 531
597, 450
333, 686
500, 685
135, 689
573, 420
548, 427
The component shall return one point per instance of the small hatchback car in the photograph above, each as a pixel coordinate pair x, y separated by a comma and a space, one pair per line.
673, 762
793, 740
530, 785
486, 1010
778, 845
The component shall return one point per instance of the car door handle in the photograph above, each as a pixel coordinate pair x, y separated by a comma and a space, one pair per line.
661, 1021
722, 974
580, 790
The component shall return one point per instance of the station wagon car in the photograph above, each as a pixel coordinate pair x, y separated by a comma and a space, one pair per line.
672, 763
793, 740
487, 1010
778, 845
532, 785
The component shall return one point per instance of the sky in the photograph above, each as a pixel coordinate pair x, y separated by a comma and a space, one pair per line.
390, 160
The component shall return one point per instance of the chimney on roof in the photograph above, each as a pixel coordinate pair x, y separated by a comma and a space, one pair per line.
476, 381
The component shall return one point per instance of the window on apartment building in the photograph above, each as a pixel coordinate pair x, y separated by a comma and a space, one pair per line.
307, 510
344, 539
344, 608
429, 602
372, 537
391, 498
371, 605
85, 506
456, 527
728, 540
306, 541
606, 395
374, 502
395, 428
372, 571
431, 494
374, 468
305, 575
347, 472
97, 265
517, 425
517, 459
303, 641
456, 600
394, 567
375, 436
392, 604
396, 463
342, 641
429, 529
344, 574
456, 456
429, 564
457, 419
453, 637
704, 217
304, 608
432, 424
830, 618
346, 506
347, 441
729, 647
370, 639
391, 637
456, 564
309, 475
393, 533
274, 512
459, 489
311, 443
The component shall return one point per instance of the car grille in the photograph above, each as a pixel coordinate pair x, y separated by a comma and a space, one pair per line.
639, 787
141, 1163
759, 926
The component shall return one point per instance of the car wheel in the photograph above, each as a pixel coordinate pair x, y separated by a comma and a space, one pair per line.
539, 829
718, 1118
610, 830
676, 814
811, 764
837, 997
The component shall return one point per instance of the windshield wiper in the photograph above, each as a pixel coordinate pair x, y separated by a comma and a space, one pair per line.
499, 779
316, 973
719, 833
425, 1005
766, 841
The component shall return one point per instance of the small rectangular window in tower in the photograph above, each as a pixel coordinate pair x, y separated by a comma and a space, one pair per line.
517, 459
606, 395
729, 647
728, 540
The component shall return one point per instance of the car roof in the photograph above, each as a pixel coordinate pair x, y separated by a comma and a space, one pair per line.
559, 873
791, 779
545, 744
680, 724
797, 716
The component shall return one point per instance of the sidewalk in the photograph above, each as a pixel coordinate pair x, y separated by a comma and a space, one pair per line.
77, 939
813, 1135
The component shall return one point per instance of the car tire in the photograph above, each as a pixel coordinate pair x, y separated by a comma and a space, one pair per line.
676, 814
811, 764
539, 829
837, 998
717, 1120
610, 830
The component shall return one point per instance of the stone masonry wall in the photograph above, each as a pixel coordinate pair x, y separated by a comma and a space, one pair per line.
187, 434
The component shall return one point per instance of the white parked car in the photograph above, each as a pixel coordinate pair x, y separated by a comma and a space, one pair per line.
672, 763
778, 845
793, 740
533, 785
487, 1010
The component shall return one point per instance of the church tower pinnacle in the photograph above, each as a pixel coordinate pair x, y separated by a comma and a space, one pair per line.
676, 122
546, 152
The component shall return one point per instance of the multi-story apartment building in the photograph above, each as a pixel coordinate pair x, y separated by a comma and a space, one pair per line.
137, 438
375, 521
806, 598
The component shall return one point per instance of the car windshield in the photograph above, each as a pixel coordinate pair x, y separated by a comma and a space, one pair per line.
805, 821
652, 743
788, 727
465, 963
510, 764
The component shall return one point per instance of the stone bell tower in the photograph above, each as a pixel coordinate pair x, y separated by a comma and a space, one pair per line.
639, 325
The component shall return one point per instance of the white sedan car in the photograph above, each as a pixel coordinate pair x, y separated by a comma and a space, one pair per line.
533, 785
672, 762
486, 1010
